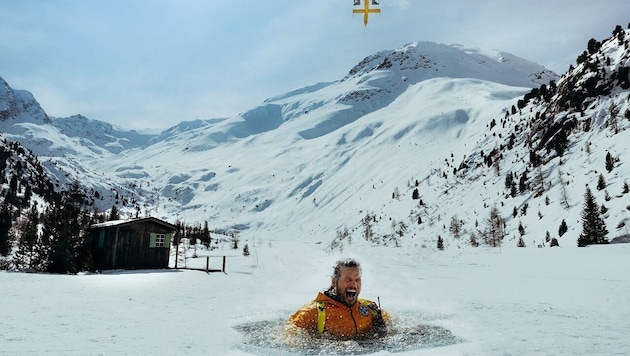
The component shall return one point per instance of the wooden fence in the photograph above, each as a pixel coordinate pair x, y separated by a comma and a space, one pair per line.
208, 270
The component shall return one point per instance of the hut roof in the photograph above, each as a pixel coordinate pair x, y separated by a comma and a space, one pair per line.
124, 222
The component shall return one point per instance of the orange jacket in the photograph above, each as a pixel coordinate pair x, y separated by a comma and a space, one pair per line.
342, 321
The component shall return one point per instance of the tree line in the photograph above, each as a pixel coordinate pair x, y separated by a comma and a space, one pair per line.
51, 240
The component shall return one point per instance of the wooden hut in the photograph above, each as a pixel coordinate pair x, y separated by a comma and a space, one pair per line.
142, 243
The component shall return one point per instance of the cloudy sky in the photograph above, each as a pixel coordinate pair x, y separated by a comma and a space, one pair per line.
150, 64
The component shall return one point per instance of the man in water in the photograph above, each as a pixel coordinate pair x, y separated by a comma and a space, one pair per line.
339, 312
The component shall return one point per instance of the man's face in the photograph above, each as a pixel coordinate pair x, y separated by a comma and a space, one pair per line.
348, 285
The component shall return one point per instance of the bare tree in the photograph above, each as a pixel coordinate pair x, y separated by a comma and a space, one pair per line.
613, 112
539, 181
456, 227
564, 198
368, 232
235, 240
494, 231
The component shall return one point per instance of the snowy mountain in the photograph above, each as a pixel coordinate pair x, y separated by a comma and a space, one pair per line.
22, 119
317, 159
412, 142
99, 134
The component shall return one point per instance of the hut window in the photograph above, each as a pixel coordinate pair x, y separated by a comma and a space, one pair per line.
160, 240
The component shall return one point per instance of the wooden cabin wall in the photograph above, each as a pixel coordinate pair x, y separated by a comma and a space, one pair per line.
131, 249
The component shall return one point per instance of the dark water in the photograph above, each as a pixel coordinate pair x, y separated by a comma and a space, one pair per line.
268, 337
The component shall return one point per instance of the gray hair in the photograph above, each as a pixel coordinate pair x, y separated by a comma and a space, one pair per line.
341, 264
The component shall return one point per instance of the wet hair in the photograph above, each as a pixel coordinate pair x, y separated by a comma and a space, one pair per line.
341, 264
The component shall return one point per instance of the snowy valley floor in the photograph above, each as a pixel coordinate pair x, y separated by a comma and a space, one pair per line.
527, 301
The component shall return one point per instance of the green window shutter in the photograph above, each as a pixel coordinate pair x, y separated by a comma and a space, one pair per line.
152, 240
101, 239
167, 240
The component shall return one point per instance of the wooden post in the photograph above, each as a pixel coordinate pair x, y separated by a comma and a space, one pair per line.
207, 264
223, 270
177, 247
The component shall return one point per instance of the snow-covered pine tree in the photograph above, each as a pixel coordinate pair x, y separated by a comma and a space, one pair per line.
593, 225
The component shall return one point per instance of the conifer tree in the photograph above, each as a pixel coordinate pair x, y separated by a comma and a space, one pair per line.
440, 243
205, 235
25, 256
601, 182
593, 226
563, 228
522, 183
6, 222
113, 214
62, 233
610, 162
473, 240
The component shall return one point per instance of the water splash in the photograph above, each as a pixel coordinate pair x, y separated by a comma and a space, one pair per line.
270, 337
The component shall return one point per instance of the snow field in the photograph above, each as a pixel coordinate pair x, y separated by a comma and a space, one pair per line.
529, 301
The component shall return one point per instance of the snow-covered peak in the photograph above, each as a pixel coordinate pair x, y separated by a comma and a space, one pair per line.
419, 61
375, 83
183, 126
100, 133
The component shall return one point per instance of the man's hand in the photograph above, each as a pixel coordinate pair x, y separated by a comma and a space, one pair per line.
380, 329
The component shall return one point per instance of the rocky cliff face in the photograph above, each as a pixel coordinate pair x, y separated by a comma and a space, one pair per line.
20, 105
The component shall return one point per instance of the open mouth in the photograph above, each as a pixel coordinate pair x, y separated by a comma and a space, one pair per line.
351, 294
